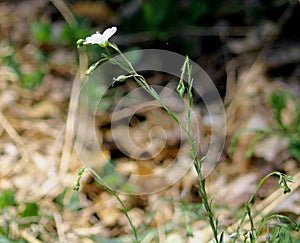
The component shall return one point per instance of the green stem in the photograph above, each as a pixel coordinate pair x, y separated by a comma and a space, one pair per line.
142, 82
101, 182
248, 204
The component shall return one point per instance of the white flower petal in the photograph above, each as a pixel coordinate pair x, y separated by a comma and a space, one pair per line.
109, 32
95, 39
99, 38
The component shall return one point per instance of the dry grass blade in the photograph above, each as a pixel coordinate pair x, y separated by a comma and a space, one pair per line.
68, 144
11, 131
24, 150
65, 12
29, 237
60, 227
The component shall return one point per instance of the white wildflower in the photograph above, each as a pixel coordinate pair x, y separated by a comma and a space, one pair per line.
101, 39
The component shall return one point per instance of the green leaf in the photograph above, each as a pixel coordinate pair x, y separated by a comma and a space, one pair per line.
42, 32
285, 233
30, 80
11, 62
294, 148
113, 180
31, 210
129, 188
60, 198
75, 204
288, 178
7, 198
278, 103
69, 35
108, 169
221, 237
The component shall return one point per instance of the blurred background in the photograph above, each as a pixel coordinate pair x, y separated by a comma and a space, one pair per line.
249, 48
210, 32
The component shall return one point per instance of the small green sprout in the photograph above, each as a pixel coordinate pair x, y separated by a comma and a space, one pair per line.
76, 187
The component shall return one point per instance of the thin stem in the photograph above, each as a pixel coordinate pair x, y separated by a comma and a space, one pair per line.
101, 182
198, 164
122, 55
190, 95
248, 204
142, 82
116, 63
253, 231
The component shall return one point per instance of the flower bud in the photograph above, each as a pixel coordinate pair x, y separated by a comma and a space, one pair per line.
120, 78
80, 42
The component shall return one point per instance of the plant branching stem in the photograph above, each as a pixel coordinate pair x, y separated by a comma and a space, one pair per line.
197, 164
249, 203
112, 192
